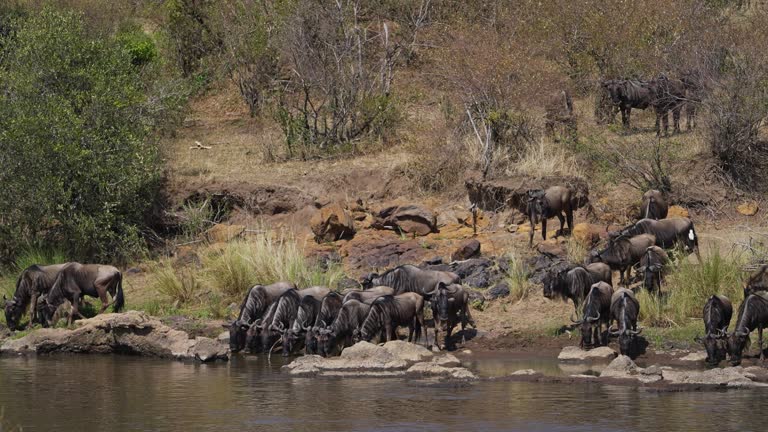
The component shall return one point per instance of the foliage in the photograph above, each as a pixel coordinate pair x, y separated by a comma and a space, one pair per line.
517, 277
196, 218
78, 164
179, 287
140, 45
30, 256
192, 37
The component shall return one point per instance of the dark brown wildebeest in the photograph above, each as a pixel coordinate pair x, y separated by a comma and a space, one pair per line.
693, 95
450, 306
545, 204
669, 96
753, 314
287, 313
559, 111
653, 265
254, 305
654, 205
574, 283
624, 311
626, 94
622, 252
717, 316
75, 280
33, 282
668, 232
389, 312
253, 337
758, 281
309, 308
595, 315
340, 333
409, 278
369, 295
329, 310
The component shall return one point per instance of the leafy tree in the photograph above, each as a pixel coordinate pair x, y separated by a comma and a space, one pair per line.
78, 164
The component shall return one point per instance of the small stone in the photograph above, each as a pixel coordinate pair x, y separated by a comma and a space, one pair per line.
698, 356
448, 360
748, 208
468, 249
524, 372
499, 291
512, 228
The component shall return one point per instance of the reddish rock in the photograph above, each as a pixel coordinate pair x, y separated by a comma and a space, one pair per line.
468, 249
221, 233
332, 223
408, 219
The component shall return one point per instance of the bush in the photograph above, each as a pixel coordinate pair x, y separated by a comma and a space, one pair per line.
191, 34
139, 45
78, 162
180, 288
517, 278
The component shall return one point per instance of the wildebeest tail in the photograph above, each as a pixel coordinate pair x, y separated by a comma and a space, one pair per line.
119, 297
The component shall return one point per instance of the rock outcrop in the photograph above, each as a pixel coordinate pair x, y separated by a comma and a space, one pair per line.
123, 333
576, 354
466, 250
729, 376
332, 223
624, 368
393, 359
408, 219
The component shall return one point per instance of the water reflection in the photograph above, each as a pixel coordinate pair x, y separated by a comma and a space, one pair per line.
113, 393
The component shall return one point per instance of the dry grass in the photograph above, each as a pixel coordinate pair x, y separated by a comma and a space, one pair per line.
545, 158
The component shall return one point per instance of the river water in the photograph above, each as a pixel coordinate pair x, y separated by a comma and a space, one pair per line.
121, 393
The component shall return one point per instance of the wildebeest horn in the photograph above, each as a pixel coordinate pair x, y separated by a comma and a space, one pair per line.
594, 319
576, 322
636, 332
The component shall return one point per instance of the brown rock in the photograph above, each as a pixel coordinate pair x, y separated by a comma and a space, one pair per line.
748, 208
222, 233
587, 234
409, 219
332, 223
468, 249
677, 211
551, 246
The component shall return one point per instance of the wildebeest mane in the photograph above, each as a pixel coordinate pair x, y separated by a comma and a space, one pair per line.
253, 304
351, 316
752, 312
713, 312
287, 308
329, 310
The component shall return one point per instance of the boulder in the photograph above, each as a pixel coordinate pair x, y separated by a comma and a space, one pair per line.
551, 247
574, 353
407, 352
222, 233
698, 356
223, 337
748, 208
676, 211
499, 291
409, 219
131, 332
587, 234
428, 369
729, 376
447, 360
524, 372
624, 368
332, 223
468, 249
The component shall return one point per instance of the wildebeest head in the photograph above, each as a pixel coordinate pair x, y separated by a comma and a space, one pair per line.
536, 205
715, 345
552, 282
13, 312
629, 341
367, 281
326, 341
586, 325
237, 335
615, 89
46, 311
737, 342
290, 340
441, 299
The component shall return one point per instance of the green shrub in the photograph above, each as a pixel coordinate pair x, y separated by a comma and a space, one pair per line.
31, 256
517, 278
180, 287
139, 45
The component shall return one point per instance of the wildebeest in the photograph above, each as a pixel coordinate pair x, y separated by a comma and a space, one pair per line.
309, 308
753, 314
409, 278
626, 94
653, 265
570, 283
260, 326
75, 280
254, 305
559, 111
545, 204
693, 95
369, 295
668, 233
654, 205
389, 312
717, 316
450, 306
758, 281
595, 315
623, 252
288, 311
33, 282
329, 310
340, 332
624, 311
669, 96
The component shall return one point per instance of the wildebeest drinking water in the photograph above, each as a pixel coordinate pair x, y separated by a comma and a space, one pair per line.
624, 311
33, 282
254, 306
339, 334
76, 280
329, 310
390, 312
309, 308
622, 252
288, 310
717, 315
450, 306
544, 204
753, 314
654, 205
409, 278
596, 314
574, 282
368, 295
653, 265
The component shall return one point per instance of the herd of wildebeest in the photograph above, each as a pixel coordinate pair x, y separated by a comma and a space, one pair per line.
318, 320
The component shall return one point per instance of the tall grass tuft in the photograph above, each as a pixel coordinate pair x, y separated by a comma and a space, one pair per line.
180, 287
545, 158
517, 278
689, 285
264, 259
33, 255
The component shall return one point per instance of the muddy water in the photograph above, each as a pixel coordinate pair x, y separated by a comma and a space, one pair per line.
117, 393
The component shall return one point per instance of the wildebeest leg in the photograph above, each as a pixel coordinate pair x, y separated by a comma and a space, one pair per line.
448, 331
569, 219
760, 342
562, 225
543, 227
625, 112
437, 335
676, 119
103, 297
33, 309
